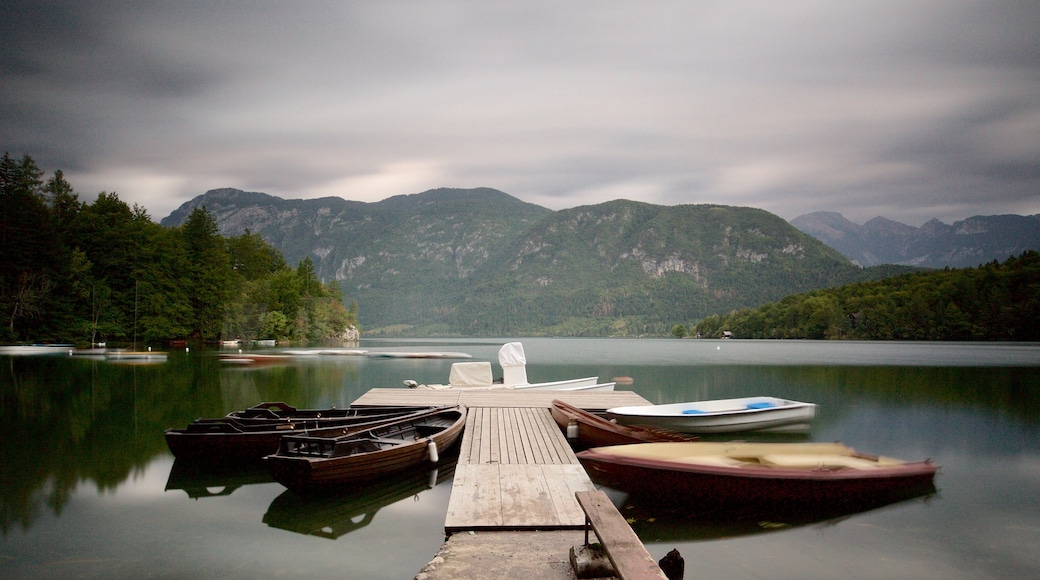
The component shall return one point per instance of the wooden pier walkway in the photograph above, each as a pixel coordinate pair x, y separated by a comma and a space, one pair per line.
516, 470
515, 481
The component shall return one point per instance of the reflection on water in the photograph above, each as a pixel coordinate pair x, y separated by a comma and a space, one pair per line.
331, 516
701, 521
88, 478
202, 480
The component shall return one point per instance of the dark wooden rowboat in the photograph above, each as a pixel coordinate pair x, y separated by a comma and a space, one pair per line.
595, 431
316, 464
741, 474
230, 440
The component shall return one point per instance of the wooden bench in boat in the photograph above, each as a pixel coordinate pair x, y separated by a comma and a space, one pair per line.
626, 553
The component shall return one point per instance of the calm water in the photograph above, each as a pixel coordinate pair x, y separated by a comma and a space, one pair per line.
89, 489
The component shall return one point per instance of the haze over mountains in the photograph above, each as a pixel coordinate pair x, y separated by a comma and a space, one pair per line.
962, 244
481, 262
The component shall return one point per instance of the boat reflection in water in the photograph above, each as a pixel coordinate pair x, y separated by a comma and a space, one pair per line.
705, 521
201, 480
333, 515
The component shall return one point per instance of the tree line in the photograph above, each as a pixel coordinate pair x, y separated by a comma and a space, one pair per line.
995, 301
95, 272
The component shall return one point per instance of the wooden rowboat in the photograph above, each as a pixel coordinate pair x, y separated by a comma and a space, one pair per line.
722, 415
317, 464
752, 473
585, 429
249, 438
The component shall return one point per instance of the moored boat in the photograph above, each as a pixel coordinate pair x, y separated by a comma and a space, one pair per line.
742, 473
721, 415
316, 464
585, 429
250, 438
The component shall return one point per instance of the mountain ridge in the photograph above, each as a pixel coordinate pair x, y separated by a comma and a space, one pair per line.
964, 243
482, 262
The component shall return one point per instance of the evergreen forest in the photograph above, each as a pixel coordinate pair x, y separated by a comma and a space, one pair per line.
996, 301
104, 272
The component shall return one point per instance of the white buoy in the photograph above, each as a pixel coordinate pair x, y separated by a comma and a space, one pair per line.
572, 430
432, 448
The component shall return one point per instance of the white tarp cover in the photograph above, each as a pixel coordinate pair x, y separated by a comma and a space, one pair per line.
470, 374
512, 355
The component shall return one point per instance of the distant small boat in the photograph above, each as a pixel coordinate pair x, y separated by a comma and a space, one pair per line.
586, 429
744, 473
321, 464
255, 359
35, 349
420, 354
135, 357
721, 415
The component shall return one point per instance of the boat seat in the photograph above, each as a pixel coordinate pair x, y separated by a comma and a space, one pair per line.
811, 461
470, 374
711, 460
385, 440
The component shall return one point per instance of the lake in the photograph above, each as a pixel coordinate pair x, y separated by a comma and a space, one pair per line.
89, 489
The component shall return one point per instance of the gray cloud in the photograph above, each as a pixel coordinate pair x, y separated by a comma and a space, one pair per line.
911, 109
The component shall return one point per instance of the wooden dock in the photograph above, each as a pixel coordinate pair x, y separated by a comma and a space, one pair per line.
516, 470
515, 480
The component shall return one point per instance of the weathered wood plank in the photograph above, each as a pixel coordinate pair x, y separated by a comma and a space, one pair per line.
470, 434
563, 482
537, 443
511, 436
541, 436
628, 555
475, 500
485, 436
526, 445
554, 438
498, 436
524, 494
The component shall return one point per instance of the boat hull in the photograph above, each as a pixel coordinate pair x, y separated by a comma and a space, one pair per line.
721, 416
684, 479
309, 474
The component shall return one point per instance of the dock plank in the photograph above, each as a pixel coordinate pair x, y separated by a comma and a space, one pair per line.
473, 499
511, 436
532, 483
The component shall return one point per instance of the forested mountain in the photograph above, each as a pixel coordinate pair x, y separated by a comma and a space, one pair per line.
996, 301
480, 262
963, 244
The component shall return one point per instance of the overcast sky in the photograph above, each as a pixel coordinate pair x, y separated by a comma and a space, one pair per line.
908, 109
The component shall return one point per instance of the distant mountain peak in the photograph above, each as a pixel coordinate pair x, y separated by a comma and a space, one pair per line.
966, 243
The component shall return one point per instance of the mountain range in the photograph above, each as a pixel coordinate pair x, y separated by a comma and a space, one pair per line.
963, 244
479, 262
